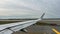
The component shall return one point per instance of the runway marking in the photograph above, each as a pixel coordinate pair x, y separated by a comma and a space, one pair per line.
56, 31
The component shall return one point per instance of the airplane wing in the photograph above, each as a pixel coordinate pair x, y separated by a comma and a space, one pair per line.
13, 27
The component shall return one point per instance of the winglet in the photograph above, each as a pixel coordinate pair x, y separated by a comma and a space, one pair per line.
42, 15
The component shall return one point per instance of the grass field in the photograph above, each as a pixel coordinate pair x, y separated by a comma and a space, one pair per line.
42, 23
6, 22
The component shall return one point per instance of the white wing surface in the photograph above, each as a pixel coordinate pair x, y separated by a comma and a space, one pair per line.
13, 27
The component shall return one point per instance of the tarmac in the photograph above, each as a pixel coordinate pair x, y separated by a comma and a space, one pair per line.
37, 29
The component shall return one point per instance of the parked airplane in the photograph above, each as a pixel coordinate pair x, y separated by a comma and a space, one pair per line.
19, 26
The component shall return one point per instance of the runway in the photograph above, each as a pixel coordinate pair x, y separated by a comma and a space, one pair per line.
37, 29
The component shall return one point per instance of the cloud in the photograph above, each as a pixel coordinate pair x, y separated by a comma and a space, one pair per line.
16, 7
30, 8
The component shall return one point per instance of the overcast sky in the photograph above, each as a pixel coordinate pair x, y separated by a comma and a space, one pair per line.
29, 8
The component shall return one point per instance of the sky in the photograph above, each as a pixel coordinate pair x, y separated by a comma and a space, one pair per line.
29, 8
